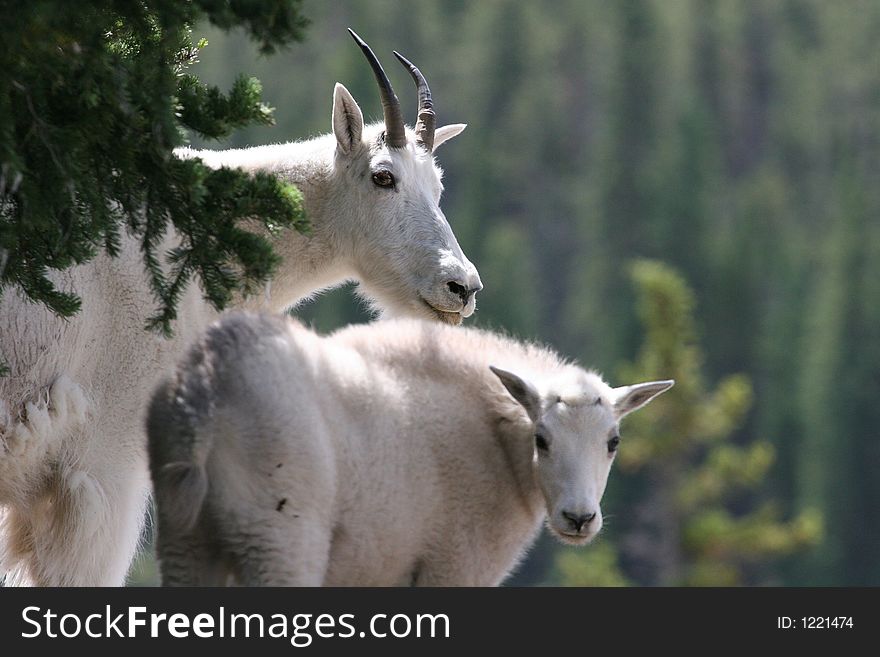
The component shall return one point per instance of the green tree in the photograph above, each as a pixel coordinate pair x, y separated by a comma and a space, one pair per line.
698, 518
628, 183
94, 96
838, 392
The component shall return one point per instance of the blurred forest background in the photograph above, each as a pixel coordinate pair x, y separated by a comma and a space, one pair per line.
685, 188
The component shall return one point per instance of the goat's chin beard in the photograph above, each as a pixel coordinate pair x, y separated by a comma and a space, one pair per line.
571, 539
445, 316
448, 318
390, 308
422, 309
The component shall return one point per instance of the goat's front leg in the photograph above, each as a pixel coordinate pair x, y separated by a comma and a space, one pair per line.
83, 529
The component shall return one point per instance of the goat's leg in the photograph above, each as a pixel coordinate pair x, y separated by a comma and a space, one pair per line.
450, 570
84, 528
191, 559
292, 552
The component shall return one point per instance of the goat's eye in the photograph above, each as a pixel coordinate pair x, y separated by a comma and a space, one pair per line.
383, 178
613, 444
541, 443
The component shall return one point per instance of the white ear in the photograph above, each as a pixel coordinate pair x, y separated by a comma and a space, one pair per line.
447, 132
348, 120
629, 398
521, 391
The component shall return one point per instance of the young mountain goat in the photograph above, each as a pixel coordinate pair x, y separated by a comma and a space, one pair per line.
73, 475
394, 453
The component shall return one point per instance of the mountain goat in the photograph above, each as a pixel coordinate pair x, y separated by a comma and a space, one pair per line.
394, 453
73, 475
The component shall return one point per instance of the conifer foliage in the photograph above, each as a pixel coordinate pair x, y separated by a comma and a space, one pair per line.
94, 95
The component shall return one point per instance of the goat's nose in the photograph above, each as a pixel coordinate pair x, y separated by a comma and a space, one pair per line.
577, 521
463, 291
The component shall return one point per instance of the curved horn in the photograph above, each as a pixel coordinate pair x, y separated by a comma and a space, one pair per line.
426, 120
395, 135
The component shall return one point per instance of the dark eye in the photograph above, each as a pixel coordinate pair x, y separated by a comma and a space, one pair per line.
383, 178
541, 443
613, 443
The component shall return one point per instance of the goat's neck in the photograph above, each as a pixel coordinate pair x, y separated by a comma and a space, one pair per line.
308, 263
519, 454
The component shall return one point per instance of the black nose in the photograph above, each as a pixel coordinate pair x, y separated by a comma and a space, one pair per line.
578, 521
464, 293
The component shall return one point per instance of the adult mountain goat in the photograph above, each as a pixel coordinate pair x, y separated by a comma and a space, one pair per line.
73, 475
396, 453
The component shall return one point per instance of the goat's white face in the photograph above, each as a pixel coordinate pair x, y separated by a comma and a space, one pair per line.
405, 254
575, 439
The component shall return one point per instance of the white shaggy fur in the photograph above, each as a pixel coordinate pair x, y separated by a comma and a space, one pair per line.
73, 476
385, 454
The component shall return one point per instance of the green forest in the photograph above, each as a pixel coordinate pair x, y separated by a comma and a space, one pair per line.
683, 189
736, 147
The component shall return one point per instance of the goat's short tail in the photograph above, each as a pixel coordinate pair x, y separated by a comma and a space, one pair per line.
179, 448
180, 421
184, 486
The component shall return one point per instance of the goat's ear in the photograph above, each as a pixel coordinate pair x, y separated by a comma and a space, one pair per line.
630, 398
348, 120
522, 391
447, 132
